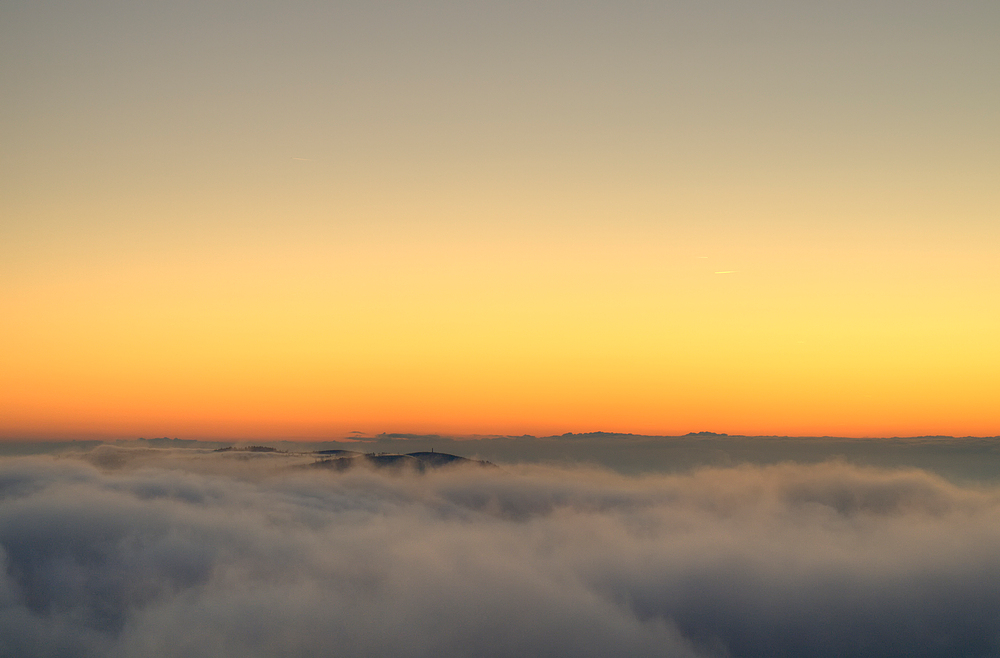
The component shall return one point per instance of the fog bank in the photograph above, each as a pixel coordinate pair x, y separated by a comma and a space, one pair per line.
119, 552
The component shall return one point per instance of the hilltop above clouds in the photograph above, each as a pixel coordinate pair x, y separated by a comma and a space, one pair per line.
959, 459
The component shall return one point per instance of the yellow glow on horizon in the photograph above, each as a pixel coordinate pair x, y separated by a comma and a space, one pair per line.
499, 338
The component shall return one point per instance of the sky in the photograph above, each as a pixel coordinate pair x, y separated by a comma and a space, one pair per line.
303, 219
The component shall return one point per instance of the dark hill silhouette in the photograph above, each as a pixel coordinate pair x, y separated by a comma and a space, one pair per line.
342, 460
248, 449
441, 458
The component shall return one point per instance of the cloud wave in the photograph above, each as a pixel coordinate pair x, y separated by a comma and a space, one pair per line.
176, 553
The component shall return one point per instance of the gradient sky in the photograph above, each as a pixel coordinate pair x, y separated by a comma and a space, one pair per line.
307, 218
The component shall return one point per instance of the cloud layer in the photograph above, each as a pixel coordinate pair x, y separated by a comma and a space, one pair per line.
179, 553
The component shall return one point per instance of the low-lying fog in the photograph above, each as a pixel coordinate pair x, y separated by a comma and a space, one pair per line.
121, 551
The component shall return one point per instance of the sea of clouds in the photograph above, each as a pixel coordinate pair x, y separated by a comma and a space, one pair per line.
144, 552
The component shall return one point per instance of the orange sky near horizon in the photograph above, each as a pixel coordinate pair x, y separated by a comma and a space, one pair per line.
224, 222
